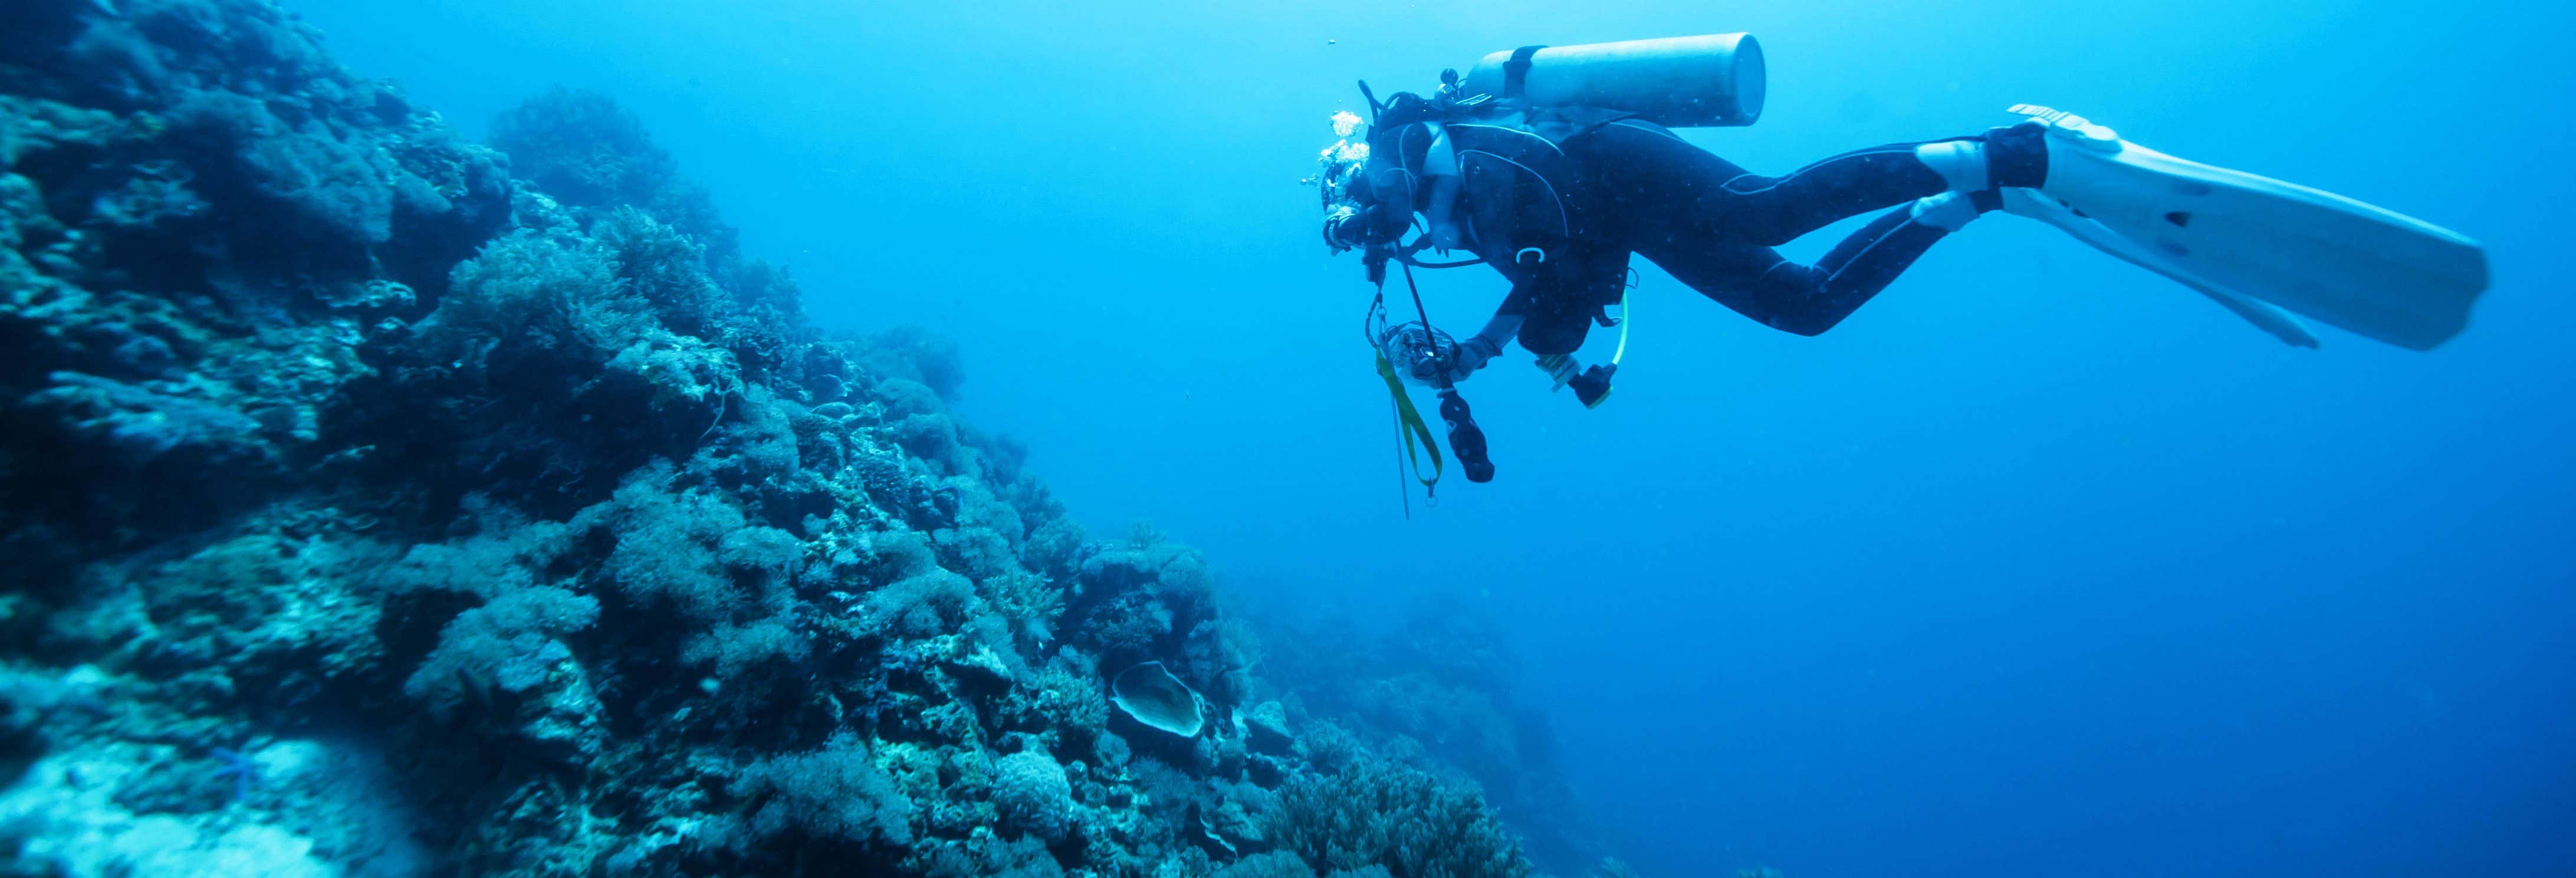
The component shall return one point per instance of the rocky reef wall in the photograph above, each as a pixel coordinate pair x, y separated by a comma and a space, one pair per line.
384, 504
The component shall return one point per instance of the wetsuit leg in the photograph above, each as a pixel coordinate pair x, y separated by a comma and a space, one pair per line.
1663, 186
1712, 224
1757, 282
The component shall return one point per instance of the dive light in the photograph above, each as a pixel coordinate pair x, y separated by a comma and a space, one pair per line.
1466, 440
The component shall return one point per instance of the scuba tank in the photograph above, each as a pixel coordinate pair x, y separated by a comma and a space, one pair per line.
1676, 82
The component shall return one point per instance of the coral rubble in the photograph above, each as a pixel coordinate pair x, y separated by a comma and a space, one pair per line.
374, 514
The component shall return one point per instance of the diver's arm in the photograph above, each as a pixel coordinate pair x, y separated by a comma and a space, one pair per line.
1491, 339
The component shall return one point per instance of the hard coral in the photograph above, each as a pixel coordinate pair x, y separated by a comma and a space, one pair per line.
506, 646
1032, 795
836, 793
1413, 823
583, 148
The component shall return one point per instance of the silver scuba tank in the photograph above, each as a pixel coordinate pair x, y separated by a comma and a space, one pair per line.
1678, 82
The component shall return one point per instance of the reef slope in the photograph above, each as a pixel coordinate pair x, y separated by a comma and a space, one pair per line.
380, 503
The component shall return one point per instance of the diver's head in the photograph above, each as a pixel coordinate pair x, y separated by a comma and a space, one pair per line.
1373, 206
1366, 203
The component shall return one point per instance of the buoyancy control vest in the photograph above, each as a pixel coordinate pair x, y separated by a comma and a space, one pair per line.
1513, 180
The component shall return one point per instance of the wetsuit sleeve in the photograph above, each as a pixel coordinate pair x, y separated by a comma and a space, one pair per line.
1499, 331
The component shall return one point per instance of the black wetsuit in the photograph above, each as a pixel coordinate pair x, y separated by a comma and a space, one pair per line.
1560, 220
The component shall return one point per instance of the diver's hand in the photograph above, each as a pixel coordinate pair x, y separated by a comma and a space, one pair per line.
1471, 355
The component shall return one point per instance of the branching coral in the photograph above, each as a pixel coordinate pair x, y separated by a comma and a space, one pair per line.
582, 147
507, 645
529, 294
836, 793
670, 271
666, 540
922, 605
1380, 813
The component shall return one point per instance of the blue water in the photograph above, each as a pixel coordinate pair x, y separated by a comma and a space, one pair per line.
2037, 566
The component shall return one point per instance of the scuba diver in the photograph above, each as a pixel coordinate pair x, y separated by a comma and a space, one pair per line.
1556, 166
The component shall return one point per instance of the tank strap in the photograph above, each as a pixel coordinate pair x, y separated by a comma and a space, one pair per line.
1516, 71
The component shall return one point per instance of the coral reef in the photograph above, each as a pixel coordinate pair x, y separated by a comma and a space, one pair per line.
1431, 689
375, 514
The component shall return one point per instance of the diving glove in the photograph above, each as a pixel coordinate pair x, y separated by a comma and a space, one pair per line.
1470, 355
